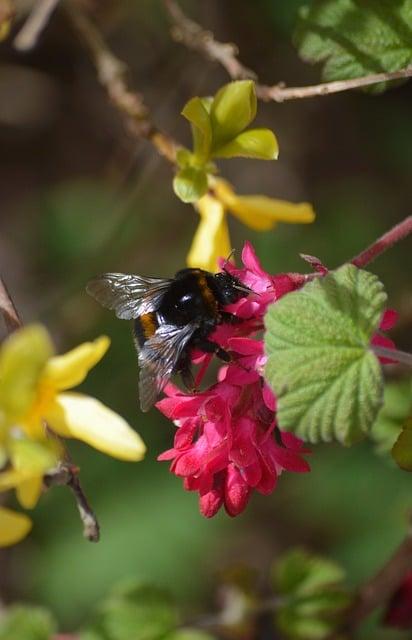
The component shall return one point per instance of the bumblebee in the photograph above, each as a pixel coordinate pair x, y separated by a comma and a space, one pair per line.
171, 317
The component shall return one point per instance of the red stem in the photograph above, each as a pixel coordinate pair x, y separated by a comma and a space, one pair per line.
386, 241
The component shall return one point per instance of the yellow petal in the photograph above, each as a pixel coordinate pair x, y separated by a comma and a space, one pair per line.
13, 527
260, 212
22, 359
211, 240
74, 415
70, 369
29, 492
10, 479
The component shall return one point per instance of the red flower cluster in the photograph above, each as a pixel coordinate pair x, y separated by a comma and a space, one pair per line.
227, 442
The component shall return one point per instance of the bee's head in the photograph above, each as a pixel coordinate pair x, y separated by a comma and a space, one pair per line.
228, 288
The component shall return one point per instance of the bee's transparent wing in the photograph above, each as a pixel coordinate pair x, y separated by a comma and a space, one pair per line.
158, 359
128, 295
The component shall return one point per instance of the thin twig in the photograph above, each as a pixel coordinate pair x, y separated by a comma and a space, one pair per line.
8, 309
377, 591
383, 243
393, 354
67, 474
112, 76
38, 19
192, 35
195, 37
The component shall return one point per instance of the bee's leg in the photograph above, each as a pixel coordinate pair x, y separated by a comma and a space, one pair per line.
188, 379
212, 347
186, 373
230, 318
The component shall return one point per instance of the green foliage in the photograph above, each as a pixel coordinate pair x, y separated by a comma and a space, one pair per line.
397, 407
402, 449
134, 611
355, 38
312, 595
327, 381
28, 623
190, 184
218, 130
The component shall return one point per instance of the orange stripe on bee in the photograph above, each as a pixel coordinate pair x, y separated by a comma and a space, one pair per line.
149, 324
206, 293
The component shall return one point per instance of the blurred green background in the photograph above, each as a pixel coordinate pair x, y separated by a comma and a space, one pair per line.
79, 197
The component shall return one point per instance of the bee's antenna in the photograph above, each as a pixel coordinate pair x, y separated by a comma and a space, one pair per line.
232, 253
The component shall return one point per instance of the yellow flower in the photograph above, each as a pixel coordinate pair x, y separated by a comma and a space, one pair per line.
211, 240
13, 527
34, 404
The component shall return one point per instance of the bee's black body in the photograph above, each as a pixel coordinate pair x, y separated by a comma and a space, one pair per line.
170, 318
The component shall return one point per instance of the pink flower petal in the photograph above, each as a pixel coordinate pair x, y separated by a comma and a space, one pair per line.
389, 319
237, 492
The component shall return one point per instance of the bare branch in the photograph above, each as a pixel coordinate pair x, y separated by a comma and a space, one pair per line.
383, 243
377, 591
67, 474
195, 37
8, 310
38, 19
112, 76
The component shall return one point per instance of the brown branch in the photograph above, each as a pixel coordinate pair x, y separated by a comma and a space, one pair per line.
112, 76
377, 591
68, 475
383, 243
8, 310
193, 36
38, 19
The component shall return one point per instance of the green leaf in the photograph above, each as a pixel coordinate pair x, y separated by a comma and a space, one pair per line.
28, 623
302, 573
312, 595
233, 109
189, 634
397, 407
327, 381
190, 184
402, 449
354, 39
184, 158
137, 611
198, 115
254, 143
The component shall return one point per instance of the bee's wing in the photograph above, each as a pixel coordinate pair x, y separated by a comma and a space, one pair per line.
158, 358
128, 295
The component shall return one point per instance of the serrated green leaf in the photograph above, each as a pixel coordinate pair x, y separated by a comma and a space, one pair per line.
327, 381
397, 407
198, 115
190, 184
233, 109
254, 143
28, 623
402, 449
355, 38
